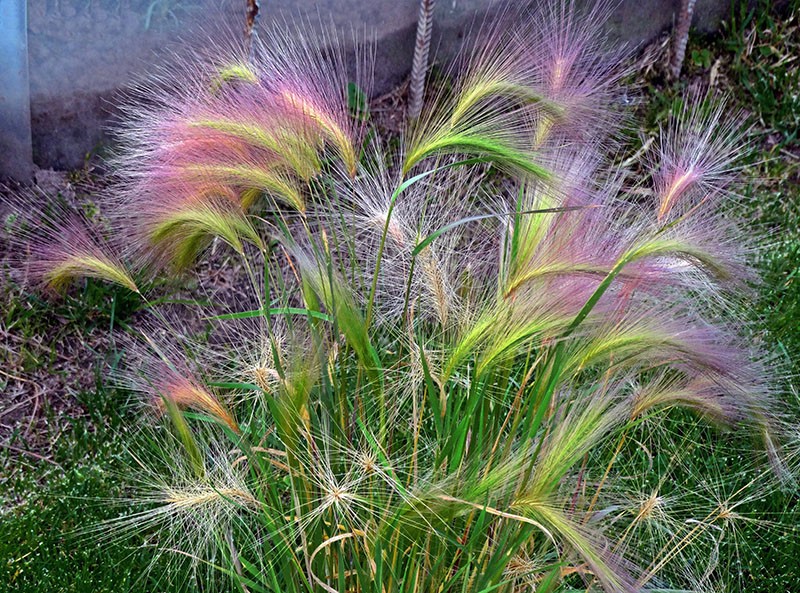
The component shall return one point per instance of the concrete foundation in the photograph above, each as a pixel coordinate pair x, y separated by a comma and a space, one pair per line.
82, 52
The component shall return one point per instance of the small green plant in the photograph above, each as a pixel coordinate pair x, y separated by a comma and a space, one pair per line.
435, 379
765, 49
702, 57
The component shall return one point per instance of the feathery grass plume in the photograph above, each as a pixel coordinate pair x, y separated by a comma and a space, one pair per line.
179, 236
56, 243
195, 149
250, 353
441, 275
576, 68
696, 161
76, 254
542, 76
193, 514
160, 374
184, 392
235, 71
436, 377
481, 118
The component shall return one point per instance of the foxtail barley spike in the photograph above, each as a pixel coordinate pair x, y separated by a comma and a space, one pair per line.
419, 67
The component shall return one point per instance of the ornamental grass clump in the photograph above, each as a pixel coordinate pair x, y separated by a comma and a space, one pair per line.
448, 367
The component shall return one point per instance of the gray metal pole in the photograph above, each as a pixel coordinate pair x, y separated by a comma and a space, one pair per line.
16, 156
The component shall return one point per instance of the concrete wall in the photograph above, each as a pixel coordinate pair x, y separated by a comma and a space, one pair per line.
81, 52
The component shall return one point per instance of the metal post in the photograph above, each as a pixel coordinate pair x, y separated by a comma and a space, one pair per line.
16, 155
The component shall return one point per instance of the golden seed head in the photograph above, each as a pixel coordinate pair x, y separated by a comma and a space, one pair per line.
265, 377
650, 505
